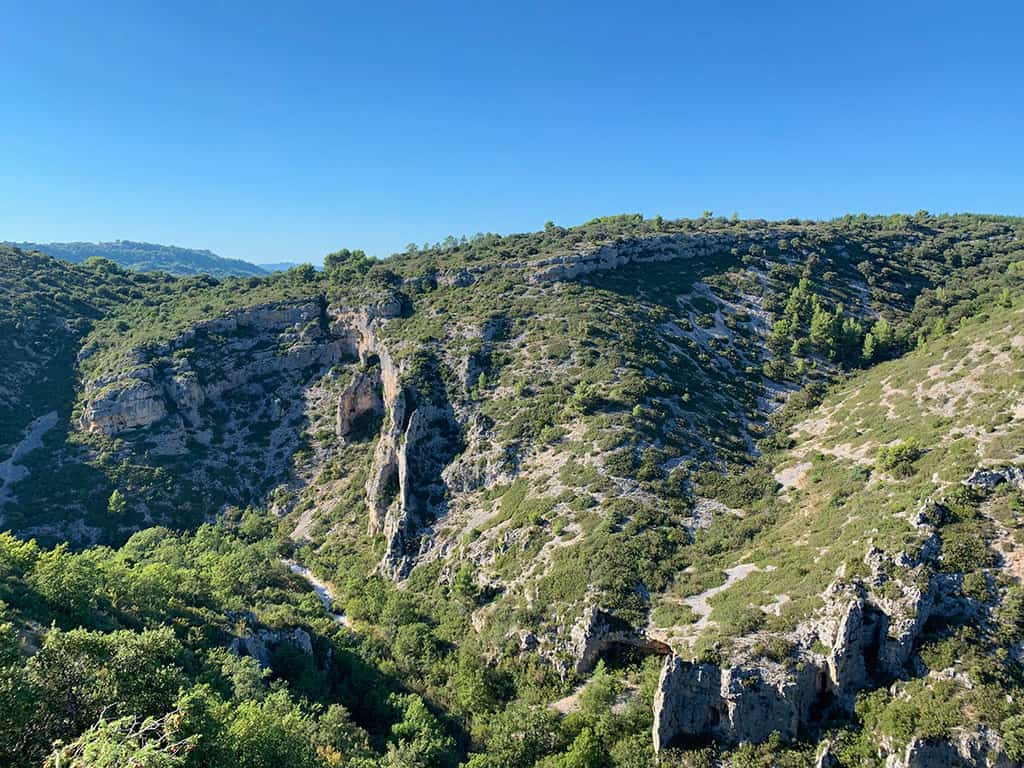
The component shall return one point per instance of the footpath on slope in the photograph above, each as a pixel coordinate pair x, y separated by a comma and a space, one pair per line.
11, 471
322, 589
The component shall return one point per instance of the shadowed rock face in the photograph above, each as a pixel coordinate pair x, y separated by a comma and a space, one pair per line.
361, 399
733, 704
261, 644
258, 343
748, 700
988, 479
596, 632
968, 748
406, 489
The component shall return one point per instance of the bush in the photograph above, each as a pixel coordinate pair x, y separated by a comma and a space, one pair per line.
1013, 737
898, 460
963, 549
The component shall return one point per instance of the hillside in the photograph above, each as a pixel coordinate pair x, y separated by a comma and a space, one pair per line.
150, 257
727, 490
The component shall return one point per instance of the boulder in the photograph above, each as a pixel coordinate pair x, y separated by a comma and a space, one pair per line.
260, 644
987, 479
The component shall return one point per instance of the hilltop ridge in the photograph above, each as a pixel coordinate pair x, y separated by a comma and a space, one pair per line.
151, 257
752, 485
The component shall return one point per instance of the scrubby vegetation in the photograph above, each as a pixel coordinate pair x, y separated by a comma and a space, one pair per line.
696, 445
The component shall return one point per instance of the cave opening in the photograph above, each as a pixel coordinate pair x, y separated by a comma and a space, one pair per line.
875, 626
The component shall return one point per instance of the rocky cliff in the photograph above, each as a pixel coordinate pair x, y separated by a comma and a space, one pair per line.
182, 391
864, 637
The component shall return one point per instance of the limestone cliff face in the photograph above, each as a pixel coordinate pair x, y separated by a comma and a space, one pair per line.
138, 401
977, 747
871, 640
733, 704
613, 256
361, 398
406, 489
257, 342
382, 484
257, 365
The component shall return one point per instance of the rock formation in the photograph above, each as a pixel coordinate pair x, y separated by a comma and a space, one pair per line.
968, 748
988, 479
261, 341
613, 256
261, 644
736, 703
405, 488
595, 632
361, 398
871, 640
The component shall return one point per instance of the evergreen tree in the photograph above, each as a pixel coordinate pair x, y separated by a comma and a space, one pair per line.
822, 329
117, 505
882, 334
868, 352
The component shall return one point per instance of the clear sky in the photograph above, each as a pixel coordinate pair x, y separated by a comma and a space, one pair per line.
284, 130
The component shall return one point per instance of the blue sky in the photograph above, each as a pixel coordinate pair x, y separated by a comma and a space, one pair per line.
281, 131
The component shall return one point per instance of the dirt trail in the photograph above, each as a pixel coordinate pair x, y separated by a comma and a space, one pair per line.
700, 604
11, 471
322, 589
571, 702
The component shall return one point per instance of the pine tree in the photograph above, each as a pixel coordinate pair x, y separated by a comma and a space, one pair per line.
882, 333
868, 353
822, 331
117, 504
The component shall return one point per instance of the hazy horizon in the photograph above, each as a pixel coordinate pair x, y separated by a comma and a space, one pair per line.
270, 134
318, 259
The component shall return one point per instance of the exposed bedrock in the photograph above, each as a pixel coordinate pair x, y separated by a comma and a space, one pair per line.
406, 490
262, 643
251, 344
968, 748
988, 479
615, 255
596, 632
733, 704
870, 641
360, 400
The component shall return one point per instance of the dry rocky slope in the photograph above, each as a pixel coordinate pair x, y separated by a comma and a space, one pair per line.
552, 422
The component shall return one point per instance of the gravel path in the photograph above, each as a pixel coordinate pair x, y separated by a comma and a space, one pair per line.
699, 603
322, 589
10, 470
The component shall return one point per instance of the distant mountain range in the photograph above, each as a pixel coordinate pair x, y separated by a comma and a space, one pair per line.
152, 257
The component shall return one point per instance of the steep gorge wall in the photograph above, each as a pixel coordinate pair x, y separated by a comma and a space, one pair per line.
870, 641
167, 394
251, 344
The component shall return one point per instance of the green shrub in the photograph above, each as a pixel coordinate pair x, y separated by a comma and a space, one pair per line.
898, 460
